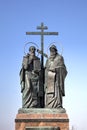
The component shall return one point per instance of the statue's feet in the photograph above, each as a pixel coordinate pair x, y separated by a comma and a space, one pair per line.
61, 110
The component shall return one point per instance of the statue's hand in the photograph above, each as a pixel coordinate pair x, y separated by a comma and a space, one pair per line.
51, 69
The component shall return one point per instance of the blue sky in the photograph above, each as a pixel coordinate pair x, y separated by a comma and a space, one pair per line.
69, 18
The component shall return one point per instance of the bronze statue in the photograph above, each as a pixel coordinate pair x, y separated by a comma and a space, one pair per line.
55, 73
34, 76
29, 79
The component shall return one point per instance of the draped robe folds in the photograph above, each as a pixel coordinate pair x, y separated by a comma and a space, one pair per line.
55, 73
29, 83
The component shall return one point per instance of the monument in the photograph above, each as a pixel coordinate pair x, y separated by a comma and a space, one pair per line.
42, 89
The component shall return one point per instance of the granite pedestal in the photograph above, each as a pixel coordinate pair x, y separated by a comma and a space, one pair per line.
41, 119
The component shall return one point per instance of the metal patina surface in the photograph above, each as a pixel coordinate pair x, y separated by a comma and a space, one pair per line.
43, 87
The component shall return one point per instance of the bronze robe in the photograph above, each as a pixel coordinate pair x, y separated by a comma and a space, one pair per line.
29, 79
55, 73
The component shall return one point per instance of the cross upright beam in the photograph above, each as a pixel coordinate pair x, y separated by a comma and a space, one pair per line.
42, 28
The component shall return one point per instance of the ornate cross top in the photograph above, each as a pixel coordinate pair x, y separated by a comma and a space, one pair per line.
42, 33
42, 27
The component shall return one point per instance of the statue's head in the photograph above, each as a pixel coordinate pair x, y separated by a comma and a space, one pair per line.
32, 49
53, 50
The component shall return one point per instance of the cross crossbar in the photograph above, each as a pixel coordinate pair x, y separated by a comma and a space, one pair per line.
41, 33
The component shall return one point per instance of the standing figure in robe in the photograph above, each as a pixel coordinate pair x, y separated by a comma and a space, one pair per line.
55, 73
30, 79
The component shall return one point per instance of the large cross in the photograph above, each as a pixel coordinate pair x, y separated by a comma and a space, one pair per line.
42, 33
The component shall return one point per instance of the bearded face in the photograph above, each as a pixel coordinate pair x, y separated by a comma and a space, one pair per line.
53, 52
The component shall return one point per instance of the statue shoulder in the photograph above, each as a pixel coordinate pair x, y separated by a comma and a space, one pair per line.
25, 59
59, 57
26, 56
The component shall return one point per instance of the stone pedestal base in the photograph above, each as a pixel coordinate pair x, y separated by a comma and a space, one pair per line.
40, 119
